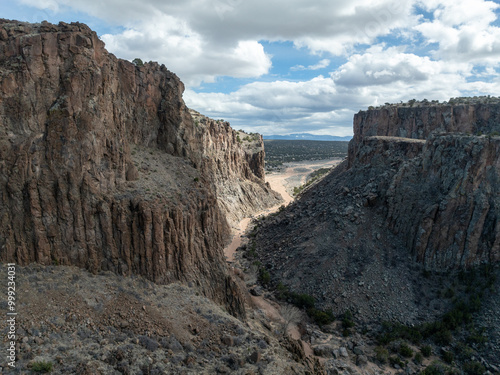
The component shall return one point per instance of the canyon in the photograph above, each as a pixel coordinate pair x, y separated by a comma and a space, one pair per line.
117, 202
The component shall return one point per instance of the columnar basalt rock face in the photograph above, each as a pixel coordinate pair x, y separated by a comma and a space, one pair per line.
235, 160
103, 167
443, 193
446, 203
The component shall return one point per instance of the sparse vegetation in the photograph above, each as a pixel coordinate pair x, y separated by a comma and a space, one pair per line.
305, 302
137, 62
405, 350
42, 366
474, 368
313, 177
426, 350
283, 151
381, 354
453, 101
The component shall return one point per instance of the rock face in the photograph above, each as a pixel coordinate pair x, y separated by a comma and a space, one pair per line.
420, 122
361, 237
103, 167
444, 198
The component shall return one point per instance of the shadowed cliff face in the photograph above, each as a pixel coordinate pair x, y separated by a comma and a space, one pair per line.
443, 196
103, 167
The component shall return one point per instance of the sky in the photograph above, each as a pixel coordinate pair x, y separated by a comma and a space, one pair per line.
297, 66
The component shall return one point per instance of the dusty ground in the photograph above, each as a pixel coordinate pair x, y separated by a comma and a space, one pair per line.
108, 324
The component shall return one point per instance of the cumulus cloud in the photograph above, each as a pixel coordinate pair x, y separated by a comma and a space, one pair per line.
463, 30
388, 52
170, 31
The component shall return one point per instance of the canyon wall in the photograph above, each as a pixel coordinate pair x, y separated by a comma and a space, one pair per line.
103, 167
443, 195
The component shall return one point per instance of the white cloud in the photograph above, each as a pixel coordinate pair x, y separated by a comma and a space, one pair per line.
320, 65
194, 59
463, 30
178, 29
384, 45
327, 104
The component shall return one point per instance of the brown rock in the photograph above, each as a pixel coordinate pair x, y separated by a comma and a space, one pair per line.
255, 357
71, 113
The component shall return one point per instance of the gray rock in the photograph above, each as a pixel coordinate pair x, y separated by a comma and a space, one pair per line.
343, 352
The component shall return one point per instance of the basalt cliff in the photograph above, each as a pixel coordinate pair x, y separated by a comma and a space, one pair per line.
419, 193
102, 165
444, 197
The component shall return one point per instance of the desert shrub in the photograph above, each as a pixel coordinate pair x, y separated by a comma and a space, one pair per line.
302, 300
434, 369
426, 350
264, 276
395, 360
419, 358
448, 357
381, 354
282, 291
320, 317
463, 351
42, 366
477, 337
405, 350
443, 337
347, 321
137, 62
395, 331
474, 368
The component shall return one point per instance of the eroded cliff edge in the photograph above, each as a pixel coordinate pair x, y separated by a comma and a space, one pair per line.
103, 167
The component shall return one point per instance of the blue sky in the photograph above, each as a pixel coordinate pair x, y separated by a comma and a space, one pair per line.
281, 67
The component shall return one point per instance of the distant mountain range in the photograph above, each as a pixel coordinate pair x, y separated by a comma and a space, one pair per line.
308, 137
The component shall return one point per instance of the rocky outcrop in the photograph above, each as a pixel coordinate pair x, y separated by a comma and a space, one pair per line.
443, 198
361, 237
420, 122
446, 202
103, 167
235, 161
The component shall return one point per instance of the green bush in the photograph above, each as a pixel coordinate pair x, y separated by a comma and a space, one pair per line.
264, 276
419, 358
426, 350
443, 337
395, 360
137, 62
282, 290
42, 366
395, 331
320, 317
448, 357
477, 337
381, 354
405, 350
302, 300
347, 321
474, 368
434, 369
